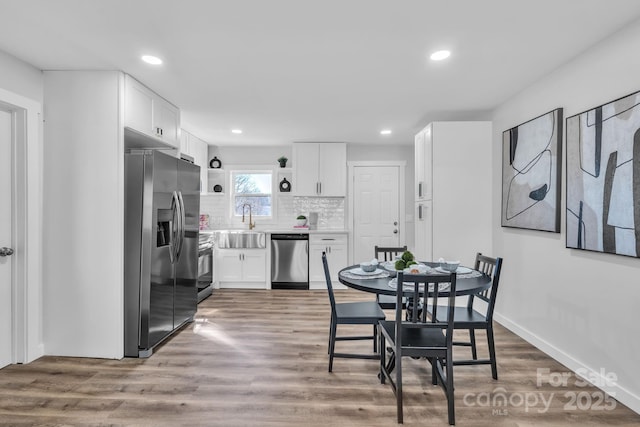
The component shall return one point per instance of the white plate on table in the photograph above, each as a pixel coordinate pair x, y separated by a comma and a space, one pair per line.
460, 270
360, 272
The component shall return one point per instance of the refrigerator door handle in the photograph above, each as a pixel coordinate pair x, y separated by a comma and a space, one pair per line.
175, 227
181, 231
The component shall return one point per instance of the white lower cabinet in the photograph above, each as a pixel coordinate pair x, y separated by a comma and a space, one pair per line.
335, 246
241, 268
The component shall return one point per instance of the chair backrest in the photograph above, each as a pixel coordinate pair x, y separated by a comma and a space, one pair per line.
327, 277
413, 285
490, 267
388, 253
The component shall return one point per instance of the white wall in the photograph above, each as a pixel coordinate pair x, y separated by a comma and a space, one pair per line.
578, 306
21, 78
84, 221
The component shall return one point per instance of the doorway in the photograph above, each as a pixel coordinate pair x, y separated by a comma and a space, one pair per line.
376, 211
21, 319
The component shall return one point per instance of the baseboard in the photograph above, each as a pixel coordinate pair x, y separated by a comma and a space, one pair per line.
621, 394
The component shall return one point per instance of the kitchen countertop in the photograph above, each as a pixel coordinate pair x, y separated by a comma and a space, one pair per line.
287, 230
306, 231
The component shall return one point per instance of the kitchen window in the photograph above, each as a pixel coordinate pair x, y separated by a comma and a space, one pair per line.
253, 188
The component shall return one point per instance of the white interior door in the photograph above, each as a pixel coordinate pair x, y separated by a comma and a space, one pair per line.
6, 347
376, 210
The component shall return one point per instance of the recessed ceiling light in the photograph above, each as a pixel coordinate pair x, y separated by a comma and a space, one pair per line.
440, 55
150, 59
237, 131
385, 132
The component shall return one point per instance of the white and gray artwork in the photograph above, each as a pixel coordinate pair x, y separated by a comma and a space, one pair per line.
603, 178
531, 155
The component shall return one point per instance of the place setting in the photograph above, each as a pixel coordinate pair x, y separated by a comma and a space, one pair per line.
366, 270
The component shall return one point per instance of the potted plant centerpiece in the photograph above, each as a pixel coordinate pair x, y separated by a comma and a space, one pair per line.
301, 220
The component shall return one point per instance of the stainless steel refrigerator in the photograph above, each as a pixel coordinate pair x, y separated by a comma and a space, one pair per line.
162, 207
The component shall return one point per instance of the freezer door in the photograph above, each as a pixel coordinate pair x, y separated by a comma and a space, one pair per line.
186, 290
156, 309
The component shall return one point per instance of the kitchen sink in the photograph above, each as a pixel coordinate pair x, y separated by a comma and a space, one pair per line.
241, 239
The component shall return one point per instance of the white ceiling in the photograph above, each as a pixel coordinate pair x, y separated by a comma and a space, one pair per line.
324, 70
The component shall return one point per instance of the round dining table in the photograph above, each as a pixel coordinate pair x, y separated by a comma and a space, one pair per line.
471, 284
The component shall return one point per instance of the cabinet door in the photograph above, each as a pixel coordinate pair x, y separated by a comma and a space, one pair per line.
338, 259
419, 166
167, 121
254, 266
305, 166
332, 173
185, 143
428, 163
229, 265
423, 249
423, 157
200, 149
138, 113
316, 270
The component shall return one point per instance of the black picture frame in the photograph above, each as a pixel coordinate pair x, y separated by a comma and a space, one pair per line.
603, 178
531, 173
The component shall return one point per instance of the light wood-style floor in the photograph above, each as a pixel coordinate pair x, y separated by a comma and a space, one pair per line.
259, 358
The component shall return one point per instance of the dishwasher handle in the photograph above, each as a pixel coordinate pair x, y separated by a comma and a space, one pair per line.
296, 236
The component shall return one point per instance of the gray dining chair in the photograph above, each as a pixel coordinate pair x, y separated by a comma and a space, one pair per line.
384, 254
419, 337
350, 313
471, 319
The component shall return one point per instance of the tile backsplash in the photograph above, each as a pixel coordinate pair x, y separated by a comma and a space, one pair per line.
331, 211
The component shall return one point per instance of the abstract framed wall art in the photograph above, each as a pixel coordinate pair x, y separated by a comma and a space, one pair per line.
531, 166
603, 178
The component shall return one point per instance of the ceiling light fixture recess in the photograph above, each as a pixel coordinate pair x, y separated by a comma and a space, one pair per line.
385, 132
236, 131
150, 59
440, 55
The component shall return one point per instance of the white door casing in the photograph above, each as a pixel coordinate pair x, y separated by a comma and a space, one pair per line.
377, 207
6, 239
25, 200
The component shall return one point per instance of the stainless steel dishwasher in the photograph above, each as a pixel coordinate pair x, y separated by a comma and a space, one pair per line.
289, 261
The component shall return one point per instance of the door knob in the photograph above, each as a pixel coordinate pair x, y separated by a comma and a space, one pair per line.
4, 251
395, 222
395, 231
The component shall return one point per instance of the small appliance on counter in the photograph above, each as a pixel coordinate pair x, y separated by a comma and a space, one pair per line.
313, 220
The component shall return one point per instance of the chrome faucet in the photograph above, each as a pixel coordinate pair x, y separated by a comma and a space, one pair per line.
251, 223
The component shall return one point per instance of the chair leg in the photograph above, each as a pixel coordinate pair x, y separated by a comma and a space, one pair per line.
332, 345
375, 341
472, 338
330, 336
399, 389
450, 399
492, 353
434, 368
383, 359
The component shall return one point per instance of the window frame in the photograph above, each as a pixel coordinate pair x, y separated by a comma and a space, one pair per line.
235, 170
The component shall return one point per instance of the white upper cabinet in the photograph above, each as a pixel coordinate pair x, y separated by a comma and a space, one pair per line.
149, 113
195, 147
320, 169
423, 171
